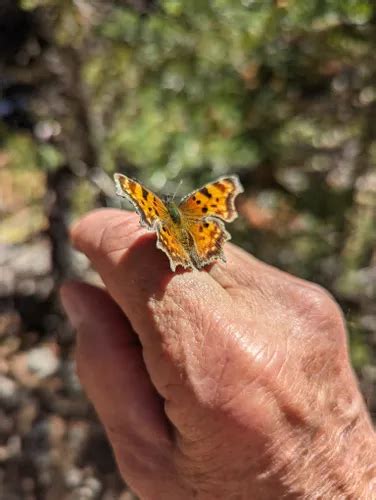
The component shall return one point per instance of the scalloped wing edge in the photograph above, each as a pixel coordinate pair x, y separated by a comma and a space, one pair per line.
173, 264
238, 189
221, 255
123, 194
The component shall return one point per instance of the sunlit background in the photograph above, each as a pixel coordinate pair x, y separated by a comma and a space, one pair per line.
282, 93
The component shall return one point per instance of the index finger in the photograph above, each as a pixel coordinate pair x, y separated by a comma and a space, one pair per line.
171, 312
126, 256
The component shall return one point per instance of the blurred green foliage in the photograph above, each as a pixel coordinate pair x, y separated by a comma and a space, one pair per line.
281, 92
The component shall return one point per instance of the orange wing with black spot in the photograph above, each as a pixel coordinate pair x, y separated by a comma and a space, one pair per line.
216, 199
173, 242
148, 205
208, 236
191, 235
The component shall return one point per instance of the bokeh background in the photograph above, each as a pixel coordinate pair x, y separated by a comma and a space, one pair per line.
281, 92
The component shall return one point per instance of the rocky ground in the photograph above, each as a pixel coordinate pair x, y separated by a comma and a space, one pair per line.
51, 444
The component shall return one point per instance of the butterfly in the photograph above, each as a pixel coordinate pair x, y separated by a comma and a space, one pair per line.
191, 232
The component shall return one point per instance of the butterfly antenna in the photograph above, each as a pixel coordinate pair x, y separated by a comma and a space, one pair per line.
176, 190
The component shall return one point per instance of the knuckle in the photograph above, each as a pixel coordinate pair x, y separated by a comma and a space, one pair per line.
318, 305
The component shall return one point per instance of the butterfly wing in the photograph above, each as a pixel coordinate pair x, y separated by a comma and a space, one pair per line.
148, 205
215, 199
208, 237
173, 241
198, 239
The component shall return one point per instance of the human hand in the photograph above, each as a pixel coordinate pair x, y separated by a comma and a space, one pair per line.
233, 383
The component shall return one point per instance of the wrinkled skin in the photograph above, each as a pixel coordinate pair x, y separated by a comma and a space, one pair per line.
230, 383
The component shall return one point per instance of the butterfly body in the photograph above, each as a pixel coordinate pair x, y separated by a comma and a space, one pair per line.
173, 210
191, 233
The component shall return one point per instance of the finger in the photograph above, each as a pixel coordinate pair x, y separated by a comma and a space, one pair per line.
111, 368
172, 312
112, 371
114, 239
